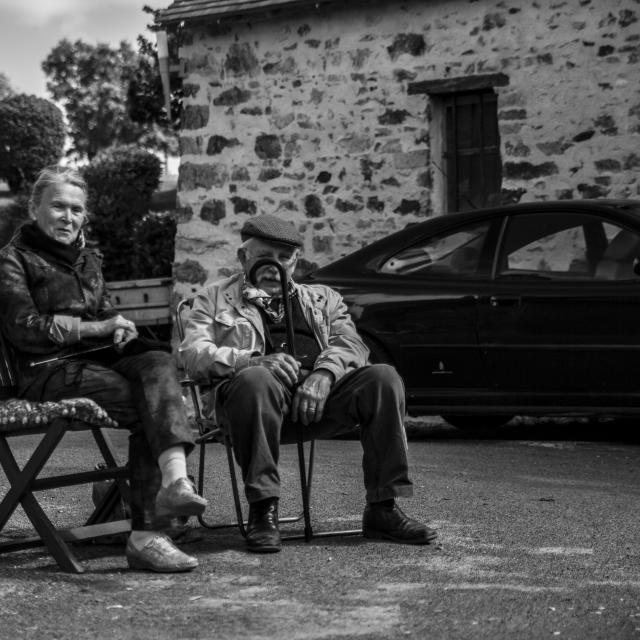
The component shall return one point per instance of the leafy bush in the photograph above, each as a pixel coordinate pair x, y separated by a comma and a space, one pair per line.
12, 215
155, 236
32, 135
135, 243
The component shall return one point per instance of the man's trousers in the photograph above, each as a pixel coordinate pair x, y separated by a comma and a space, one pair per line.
255, 409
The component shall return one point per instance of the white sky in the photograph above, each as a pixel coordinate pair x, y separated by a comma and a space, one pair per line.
29, 29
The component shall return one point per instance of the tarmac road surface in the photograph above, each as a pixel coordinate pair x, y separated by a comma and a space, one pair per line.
539, 538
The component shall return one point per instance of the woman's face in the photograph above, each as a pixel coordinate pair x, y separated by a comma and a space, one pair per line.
61, 212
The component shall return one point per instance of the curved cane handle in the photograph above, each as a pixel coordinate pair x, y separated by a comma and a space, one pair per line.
284, 287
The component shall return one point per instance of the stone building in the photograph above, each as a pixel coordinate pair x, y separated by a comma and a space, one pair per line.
353, 119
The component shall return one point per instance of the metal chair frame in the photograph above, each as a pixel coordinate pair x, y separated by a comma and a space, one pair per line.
210, 431
24, 482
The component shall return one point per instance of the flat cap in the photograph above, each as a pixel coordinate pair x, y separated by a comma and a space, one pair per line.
270, 228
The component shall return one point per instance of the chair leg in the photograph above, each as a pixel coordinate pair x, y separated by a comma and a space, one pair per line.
49, 536
19, 481
312, 449
105, 508
241, 522
201, 468
306, 476
234, 486
304, 488
106, 448
237, 503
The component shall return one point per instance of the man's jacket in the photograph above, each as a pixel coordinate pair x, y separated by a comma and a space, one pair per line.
223, 331
43, 300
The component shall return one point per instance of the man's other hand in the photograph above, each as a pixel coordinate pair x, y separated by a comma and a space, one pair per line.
311, 396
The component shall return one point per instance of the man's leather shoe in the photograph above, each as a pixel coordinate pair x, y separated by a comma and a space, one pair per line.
388, 522
160, 555
263, 535
179, 499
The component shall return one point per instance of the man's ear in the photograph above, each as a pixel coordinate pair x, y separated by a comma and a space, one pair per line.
242, 255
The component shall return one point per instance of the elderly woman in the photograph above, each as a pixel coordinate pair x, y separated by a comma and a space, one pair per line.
53, 302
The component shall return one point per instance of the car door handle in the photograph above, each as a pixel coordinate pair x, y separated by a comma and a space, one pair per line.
504, 301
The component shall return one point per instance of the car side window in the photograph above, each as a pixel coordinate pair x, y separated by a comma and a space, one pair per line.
617, 262
456, 253
564, 251
569, 246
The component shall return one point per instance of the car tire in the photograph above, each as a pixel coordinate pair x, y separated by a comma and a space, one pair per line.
470, 422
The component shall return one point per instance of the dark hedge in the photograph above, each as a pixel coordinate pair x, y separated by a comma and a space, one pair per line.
135, 242
32, 135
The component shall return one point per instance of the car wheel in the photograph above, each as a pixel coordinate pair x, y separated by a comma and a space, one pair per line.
476, 422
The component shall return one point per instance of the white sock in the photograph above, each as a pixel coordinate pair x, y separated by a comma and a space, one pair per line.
139, 538
173, 465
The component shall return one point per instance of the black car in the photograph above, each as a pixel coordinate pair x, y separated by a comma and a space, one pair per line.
527, 309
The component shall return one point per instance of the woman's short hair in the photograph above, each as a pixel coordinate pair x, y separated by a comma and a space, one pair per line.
55, 174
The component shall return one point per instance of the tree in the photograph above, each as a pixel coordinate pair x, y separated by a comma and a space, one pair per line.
6, 89
92, 83
32, 135
145, 96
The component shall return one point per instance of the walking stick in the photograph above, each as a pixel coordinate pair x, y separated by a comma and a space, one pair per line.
291, 349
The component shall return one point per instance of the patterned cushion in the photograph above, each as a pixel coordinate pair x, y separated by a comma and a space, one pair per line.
14, 413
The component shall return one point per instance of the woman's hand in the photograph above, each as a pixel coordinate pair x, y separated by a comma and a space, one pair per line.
123, 332
118, 326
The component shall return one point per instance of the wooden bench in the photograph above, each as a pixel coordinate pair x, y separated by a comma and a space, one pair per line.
147, 302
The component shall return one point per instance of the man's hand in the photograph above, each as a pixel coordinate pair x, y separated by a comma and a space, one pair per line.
283, 366
311, 396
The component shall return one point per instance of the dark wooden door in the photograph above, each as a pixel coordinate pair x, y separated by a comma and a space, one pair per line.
472, 150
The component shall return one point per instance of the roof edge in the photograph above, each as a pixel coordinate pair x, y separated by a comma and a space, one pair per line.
202, 12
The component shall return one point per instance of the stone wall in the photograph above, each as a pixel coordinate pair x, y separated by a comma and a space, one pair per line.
309, 116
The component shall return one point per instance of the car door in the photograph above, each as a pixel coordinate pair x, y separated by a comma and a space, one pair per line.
563, 314
429, 316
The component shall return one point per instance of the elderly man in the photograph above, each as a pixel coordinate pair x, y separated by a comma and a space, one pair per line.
236, 339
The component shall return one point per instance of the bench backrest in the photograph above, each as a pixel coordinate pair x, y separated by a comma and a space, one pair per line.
147, 302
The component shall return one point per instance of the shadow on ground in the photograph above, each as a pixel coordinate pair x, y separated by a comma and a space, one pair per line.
529, 428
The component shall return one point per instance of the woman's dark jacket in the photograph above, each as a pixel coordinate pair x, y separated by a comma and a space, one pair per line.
43, 297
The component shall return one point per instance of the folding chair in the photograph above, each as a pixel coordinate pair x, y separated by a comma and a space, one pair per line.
210, 431
52, 420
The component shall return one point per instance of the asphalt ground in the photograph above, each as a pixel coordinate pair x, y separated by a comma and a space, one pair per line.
538, 538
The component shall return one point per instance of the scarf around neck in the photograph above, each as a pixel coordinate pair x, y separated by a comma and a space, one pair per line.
273, 306
46, 246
